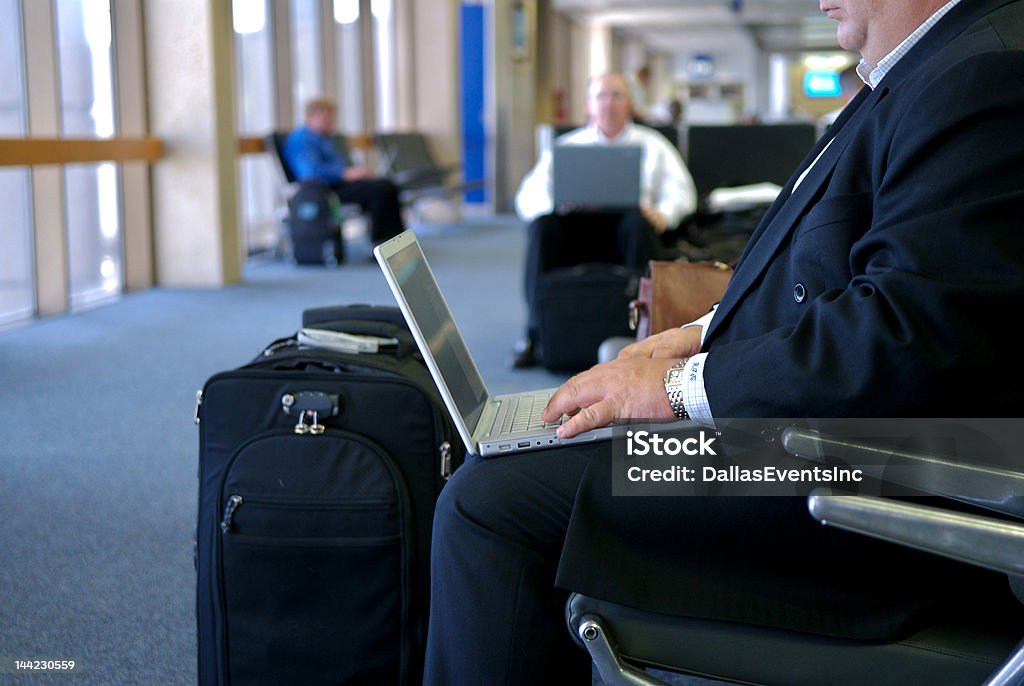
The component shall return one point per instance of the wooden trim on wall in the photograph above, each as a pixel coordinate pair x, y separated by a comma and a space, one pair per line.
34, 151
250, 145
360, 141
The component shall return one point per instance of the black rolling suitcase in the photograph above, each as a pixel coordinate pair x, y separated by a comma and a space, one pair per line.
578, 308
318, 474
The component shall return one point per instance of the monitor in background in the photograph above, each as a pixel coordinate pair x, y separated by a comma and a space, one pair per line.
822, 83
727, 156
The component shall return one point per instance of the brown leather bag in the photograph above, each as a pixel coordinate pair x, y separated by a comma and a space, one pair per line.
676, 292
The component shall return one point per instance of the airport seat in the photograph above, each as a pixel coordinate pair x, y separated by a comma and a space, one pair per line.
669, 131
274, 144
409, 163
981, 646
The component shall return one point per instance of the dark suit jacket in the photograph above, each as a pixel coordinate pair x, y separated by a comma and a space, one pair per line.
881, 286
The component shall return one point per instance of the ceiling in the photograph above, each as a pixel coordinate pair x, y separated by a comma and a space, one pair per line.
666, 25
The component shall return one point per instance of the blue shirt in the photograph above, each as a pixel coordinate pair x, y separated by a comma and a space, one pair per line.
311, 155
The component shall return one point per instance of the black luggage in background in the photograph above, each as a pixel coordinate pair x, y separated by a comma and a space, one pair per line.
578, 308
318, 475
313, 227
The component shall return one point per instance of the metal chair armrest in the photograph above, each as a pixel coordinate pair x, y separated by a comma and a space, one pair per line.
990, 487
983, 541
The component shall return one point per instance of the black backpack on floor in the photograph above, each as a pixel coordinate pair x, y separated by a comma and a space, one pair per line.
313, 225
318, 474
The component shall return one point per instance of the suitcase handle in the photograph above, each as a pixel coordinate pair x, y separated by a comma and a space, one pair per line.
405, 344
383, 321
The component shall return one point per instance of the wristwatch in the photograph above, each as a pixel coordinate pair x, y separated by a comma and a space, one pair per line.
675, 379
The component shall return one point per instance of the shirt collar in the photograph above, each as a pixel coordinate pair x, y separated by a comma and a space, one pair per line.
872, 76
622, 135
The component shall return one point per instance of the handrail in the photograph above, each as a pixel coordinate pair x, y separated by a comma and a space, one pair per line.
25, 152
250, 145
35, 151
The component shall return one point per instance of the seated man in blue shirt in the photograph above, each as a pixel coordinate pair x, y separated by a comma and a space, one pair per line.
311, 153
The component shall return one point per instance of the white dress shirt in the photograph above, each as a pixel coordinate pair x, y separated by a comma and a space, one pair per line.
666, 184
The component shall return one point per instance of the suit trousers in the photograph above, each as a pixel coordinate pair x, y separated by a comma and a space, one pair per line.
556, 241
495, 614
379, 198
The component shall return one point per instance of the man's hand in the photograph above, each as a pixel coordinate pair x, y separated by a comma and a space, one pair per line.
356, 173
622, 389
655, 218
672, 343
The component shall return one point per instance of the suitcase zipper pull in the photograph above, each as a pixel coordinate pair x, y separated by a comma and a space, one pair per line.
309, 406
229, 512
314, 428
446, 460
199, 405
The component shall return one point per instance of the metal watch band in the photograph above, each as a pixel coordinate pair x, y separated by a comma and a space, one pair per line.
675, 391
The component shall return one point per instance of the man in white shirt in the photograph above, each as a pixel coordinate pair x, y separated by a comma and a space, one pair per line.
628, 238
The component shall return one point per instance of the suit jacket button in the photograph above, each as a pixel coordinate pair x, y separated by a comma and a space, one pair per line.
799, 293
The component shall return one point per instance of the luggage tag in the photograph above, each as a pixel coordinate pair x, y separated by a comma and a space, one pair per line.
343, 342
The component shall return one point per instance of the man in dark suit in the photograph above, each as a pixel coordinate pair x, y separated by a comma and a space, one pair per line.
877, 285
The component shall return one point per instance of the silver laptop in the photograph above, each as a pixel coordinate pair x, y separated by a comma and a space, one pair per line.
596, 177
488, 425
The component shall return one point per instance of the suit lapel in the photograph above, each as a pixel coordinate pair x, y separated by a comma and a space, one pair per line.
787, 190
783, 217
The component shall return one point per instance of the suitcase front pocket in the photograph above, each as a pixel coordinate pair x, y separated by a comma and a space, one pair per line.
313, 611
289, 519
312, 552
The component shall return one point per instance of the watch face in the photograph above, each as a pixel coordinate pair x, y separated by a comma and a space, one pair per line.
676, 375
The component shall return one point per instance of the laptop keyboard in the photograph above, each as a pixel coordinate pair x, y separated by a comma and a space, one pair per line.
524, 414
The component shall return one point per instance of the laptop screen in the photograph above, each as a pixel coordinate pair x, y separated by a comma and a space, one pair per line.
596, 177
430, 312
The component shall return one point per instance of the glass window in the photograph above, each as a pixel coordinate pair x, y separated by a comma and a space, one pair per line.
17, 297
307, 54
350, 66
384, 63
92, 201
259, 181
